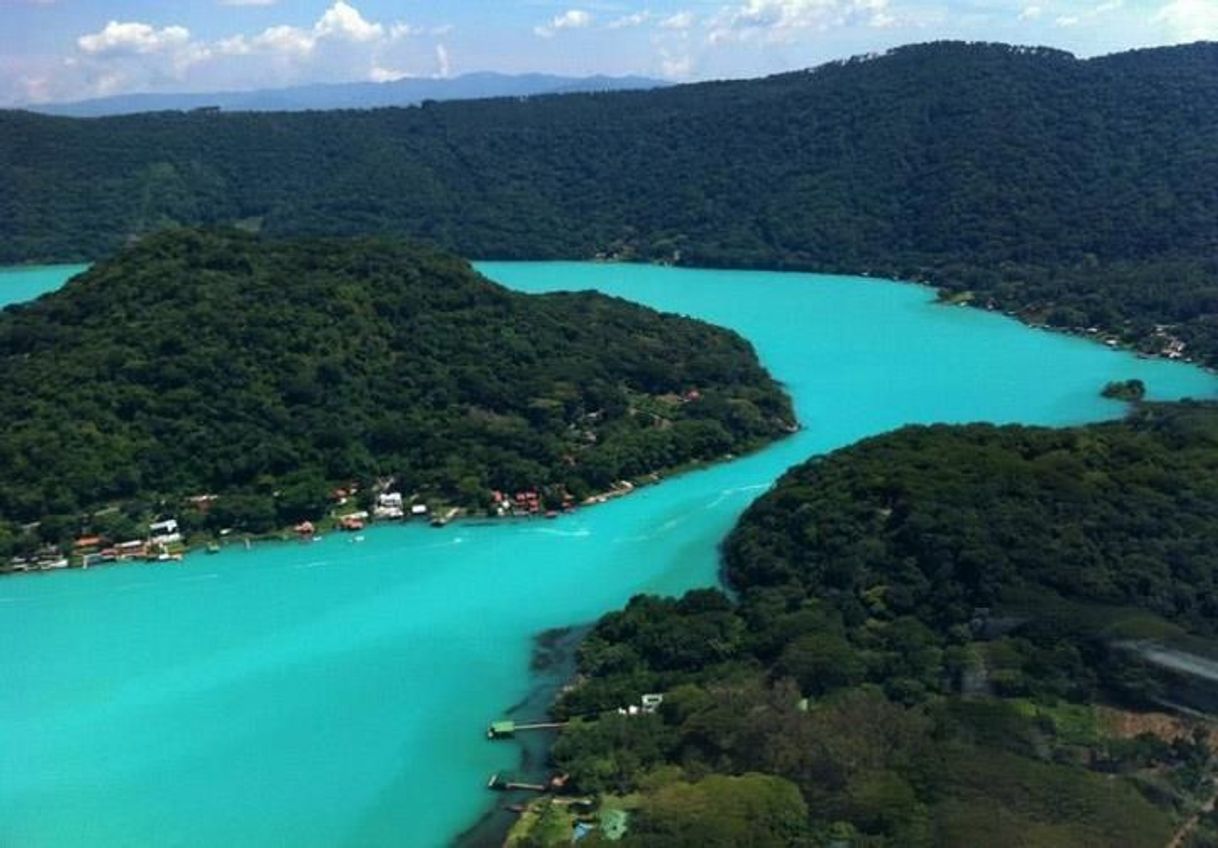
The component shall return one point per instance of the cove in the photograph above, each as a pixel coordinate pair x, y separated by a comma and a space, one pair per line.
336, 693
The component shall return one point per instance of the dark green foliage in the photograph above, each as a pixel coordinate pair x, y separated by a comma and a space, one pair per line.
1130, 390
268, 371
948, 602
1082, 193
721, 812
940, 522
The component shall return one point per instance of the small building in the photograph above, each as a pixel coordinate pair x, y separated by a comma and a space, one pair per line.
390, 500
165, 532
418, 509
651, 702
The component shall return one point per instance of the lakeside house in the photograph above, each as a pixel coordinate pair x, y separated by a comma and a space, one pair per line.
389, 505
164, 532
352, 521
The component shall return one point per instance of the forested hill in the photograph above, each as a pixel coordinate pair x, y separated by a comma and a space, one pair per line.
268, 371
1079, 192
966, 611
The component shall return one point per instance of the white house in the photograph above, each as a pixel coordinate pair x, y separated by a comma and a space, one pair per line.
165, 532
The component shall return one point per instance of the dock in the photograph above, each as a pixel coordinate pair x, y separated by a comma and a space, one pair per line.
504, 784
506, 728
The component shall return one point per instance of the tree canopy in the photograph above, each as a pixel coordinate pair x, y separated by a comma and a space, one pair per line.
927, 628
269, 371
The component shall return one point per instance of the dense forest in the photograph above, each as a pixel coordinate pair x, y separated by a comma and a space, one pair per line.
926, 629
269, 371
1078, 193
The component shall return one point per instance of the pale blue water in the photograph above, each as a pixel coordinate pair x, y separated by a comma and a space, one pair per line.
26, 283
336, 693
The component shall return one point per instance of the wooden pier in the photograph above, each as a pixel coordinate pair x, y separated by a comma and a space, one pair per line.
502, 784
506, 729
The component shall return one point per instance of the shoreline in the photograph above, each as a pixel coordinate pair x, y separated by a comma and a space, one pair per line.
551, 667
443, 516
943, 295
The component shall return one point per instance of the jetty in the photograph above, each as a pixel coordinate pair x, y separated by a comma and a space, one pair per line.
506, 729
505, 784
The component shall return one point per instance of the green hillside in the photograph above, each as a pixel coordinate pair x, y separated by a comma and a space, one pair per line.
1081, 193
268, 371
950, 603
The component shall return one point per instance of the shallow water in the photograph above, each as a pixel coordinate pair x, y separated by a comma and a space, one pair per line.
336, 693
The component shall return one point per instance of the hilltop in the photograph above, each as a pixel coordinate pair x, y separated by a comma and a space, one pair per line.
269, 372
1079, 193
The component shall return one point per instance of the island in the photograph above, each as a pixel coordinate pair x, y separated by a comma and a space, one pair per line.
946, 635
212, 384
1128, 390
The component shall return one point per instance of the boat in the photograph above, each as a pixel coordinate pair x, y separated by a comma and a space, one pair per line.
213, 548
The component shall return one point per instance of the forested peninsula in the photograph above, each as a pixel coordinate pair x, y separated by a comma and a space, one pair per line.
233, 382
1077, 193
946, 635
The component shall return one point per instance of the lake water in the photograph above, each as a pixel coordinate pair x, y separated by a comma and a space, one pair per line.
336, 693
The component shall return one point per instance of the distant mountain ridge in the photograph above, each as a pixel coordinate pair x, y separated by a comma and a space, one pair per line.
349, 95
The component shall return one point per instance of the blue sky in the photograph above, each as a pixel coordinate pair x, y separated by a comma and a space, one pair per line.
68, 49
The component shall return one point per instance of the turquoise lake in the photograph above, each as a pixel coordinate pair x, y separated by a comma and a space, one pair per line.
336, 693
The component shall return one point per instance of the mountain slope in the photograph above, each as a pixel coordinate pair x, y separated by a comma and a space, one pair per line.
221, 363
1078, 192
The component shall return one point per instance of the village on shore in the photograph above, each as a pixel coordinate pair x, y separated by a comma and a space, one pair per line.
167, 542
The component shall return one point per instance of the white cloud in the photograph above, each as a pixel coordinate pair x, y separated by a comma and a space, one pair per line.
443, 62
632, 20
379, 74
681, 20
1190, 20
343, 21
340, 44
1085, 16
570, 19
677, 65
401, 29
771, 21
1031, 13
133, 37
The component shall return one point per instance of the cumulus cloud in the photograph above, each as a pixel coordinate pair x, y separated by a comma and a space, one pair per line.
570, 19
1031, 13
772, 21
340, 44
344, 21
133, 37
1190, 20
